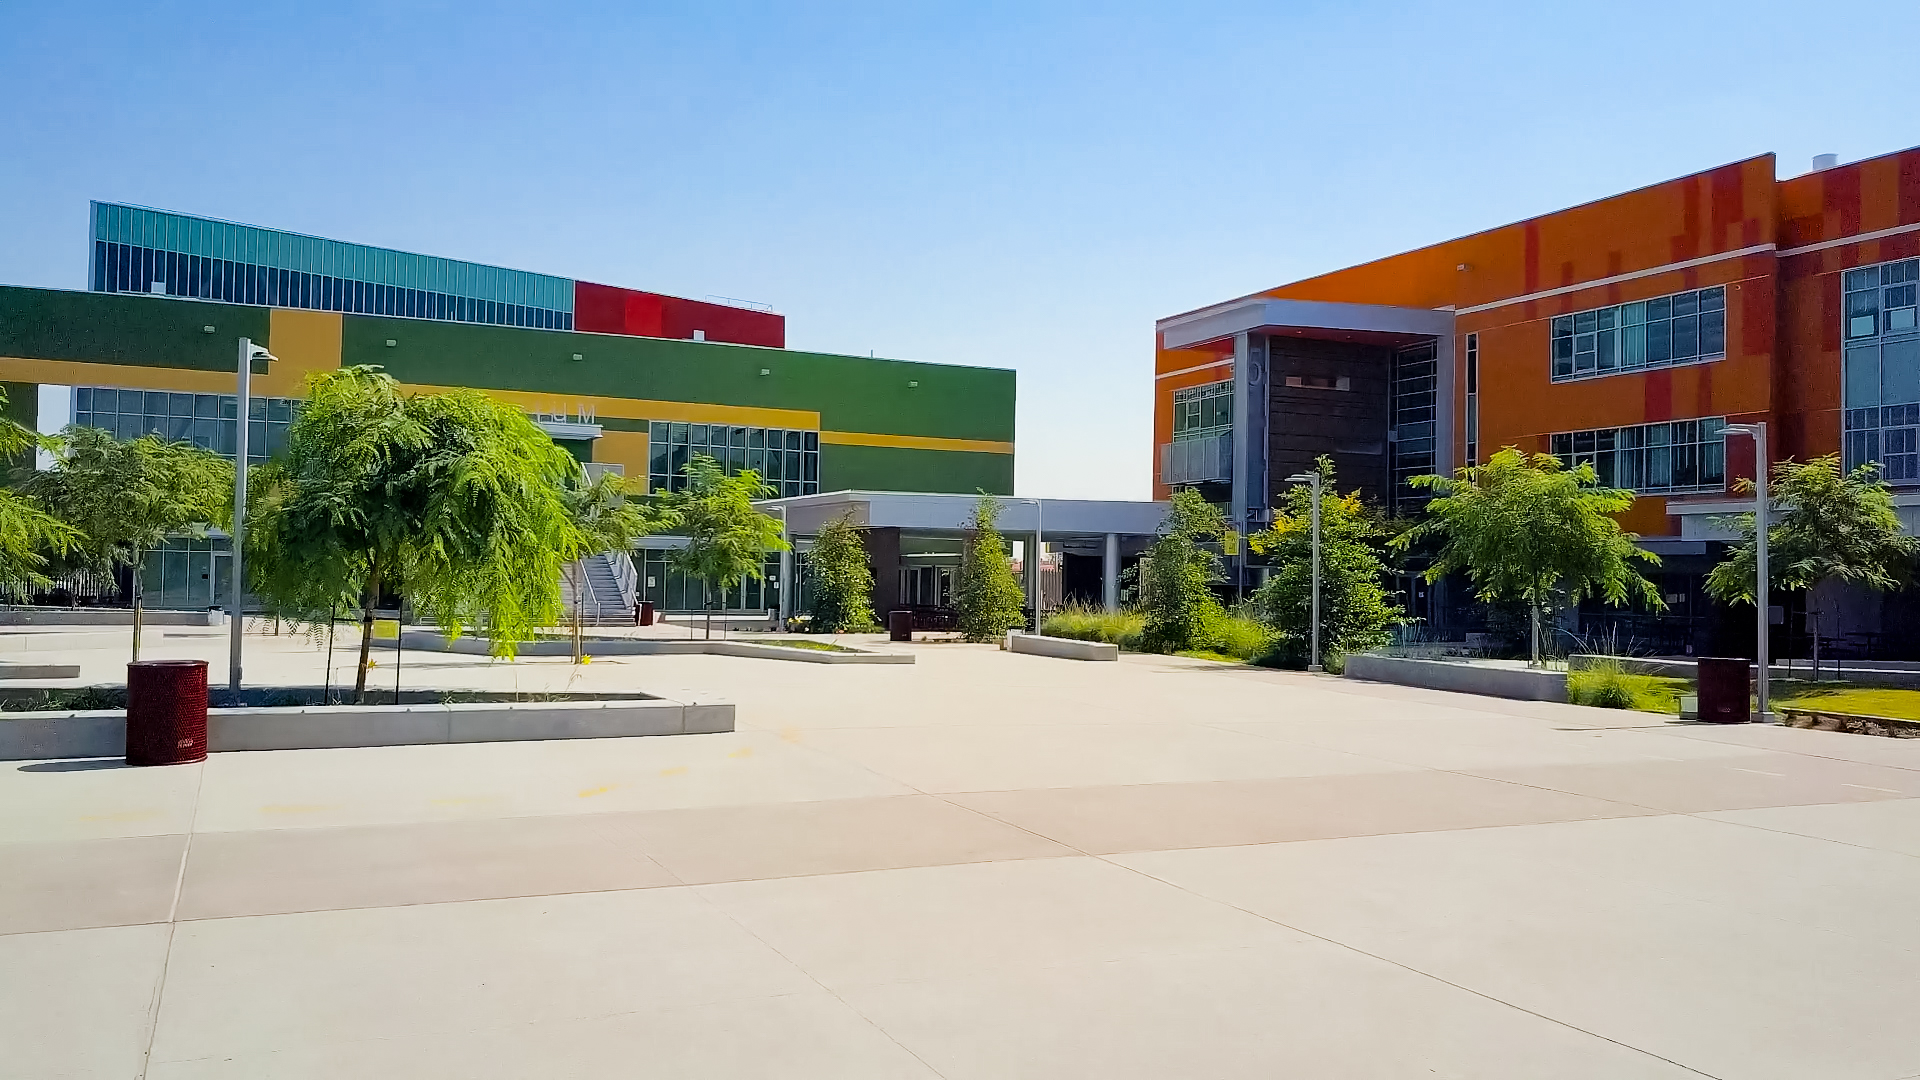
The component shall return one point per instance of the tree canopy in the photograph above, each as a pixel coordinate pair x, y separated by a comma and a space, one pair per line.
1824, 523
455, 501
125, 498
1523, 527
1357, 612
29, 535
988, 601
1177, 576
842, 579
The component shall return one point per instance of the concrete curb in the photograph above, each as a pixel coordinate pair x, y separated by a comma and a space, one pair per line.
1064, 648
35, 735
12, 670
63, 641
1521, 684
427, 640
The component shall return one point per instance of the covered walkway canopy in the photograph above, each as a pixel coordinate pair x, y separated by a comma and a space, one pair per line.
914, 538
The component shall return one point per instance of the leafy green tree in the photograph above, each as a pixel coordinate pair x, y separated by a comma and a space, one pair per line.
604, 519
28, 534
842, 578
453, 501
988, 599
1524, 527
1357, 612
727, 537
1178, 573
127, 498
1825, 525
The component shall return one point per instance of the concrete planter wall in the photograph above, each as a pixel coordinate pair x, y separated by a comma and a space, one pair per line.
473, 646
1064, 648
109, 617
34, 735
1462, 676
1894, 674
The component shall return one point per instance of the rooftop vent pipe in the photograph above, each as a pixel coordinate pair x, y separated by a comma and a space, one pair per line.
1822, 162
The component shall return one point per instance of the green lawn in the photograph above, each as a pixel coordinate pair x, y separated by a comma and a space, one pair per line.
1859, 701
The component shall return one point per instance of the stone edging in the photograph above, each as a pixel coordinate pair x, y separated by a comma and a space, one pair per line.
1064, 648
1853, 723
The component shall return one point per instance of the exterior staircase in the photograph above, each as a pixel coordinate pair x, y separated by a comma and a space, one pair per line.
607, 588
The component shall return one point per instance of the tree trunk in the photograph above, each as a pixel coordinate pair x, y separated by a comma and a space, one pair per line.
1813, 608
366, 634
1533, 608
574, 572
136, 604
706, 601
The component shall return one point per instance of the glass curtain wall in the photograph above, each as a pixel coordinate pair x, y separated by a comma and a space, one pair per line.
788, 460
136, 250
1881, 379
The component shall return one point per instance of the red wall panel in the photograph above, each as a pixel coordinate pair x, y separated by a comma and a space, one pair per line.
607, 309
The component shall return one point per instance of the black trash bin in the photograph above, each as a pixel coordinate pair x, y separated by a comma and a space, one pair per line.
166, 712
899, 625
1724, 689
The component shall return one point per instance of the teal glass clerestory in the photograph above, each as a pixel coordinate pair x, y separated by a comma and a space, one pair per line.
140, 250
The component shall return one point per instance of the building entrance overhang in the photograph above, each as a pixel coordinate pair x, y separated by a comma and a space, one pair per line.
1374, 324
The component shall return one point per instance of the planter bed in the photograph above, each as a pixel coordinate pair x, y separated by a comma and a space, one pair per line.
102, 733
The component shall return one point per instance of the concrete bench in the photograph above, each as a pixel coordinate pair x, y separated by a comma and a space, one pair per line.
1064, 648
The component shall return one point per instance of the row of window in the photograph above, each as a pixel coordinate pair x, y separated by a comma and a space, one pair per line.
674, 590
1889, 435
162, 230
788, 460
1414, 399
1473, 399
1881, 299
1200, 411
1675, 457
209, 421
1684, 328
125, 268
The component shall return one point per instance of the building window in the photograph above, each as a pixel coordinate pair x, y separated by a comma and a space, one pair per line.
1411, 433
1880, 369
1203, 411
1672, 458
1473, 399
1685, 328
788, 460
208, 421
126, 268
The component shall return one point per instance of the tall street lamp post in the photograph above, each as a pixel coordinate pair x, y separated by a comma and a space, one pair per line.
1762, 595
249, 352
1313, 656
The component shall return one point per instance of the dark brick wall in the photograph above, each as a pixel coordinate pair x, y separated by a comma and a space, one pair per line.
1307, 421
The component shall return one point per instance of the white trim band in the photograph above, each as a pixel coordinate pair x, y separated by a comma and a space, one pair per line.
1228, 362
1618, 278
1857, 238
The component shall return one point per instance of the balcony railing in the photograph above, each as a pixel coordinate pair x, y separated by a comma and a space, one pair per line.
1198, 460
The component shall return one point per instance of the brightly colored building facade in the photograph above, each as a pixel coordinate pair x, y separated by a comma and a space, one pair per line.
1627, 332
619, 377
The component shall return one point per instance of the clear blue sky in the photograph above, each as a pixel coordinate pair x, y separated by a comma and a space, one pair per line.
1018, 185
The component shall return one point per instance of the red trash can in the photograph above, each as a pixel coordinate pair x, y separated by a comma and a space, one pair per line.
900, 626
1724, 687
645, 614
166, 712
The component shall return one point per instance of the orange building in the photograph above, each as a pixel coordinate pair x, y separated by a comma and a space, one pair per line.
1626, 332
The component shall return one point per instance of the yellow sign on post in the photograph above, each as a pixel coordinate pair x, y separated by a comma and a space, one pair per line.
1230, 543
386, 629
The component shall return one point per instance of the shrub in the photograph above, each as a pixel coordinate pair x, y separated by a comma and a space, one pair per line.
1177, 575
1238, 635
1606, 684
842, 580
1122, 628
989, 598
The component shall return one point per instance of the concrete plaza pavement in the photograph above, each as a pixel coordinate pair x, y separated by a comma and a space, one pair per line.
980, 866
